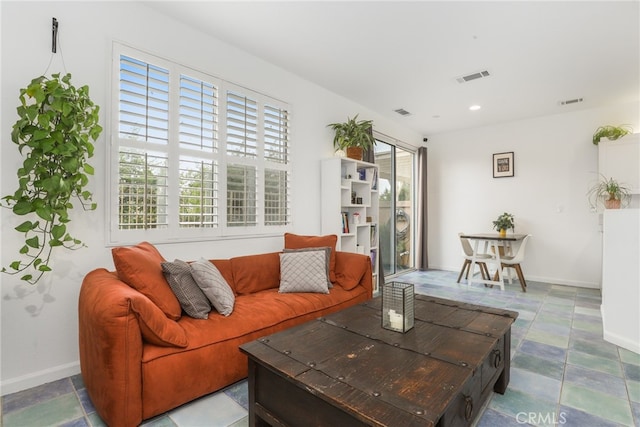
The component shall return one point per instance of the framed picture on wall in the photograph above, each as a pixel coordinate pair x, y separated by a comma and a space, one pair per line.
503, 165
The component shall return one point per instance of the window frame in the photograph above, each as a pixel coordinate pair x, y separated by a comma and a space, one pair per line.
173, 232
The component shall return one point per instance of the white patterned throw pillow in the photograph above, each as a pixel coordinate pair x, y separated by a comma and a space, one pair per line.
217, 290
325, 249
304, 272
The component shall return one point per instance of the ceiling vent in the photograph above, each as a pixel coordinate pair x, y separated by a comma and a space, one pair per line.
571, 101
402, 112
472, 76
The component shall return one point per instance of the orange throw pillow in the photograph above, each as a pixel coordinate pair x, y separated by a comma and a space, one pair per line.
155, 327
350, 273
295, 241
140, 267
255, 273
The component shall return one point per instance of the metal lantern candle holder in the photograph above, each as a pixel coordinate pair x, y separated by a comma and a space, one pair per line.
397, 306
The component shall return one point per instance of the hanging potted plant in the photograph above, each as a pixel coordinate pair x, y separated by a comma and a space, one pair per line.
56, 126
611, 132
353, 136
503, 223
610, 193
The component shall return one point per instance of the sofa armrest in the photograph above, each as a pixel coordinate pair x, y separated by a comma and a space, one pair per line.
353, 270
110, 342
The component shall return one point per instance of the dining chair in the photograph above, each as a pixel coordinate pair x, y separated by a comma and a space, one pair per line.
514, 262
468, 255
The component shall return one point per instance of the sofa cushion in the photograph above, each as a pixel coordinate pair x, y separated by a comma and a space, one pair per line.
155, 327
140, 267
350, 267
225, 268
304, 271
295, 241
326, 250
254, 273
192, 300
210, 280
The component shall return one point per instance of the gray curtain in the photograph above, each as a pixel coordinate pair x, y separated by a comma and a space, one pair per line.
421, 220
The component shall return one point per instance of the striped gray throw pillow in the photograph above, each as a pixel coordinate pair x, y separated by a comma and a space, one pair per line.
192, 300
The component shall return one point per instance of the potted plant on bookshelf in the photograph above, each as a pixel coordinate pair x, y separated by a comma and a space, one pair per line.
611, 132
610, 193
503, 223
353, 136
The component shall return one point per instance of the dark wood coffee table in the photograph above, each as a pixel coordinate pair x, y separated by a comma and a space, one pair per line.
345, 369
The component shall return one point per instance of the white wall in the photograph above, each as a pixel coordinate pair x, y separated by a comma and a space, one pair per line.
39, 324
555, 164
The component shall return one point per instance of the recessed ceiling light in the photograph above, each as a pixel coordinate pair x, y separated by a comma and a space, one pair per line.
475, 107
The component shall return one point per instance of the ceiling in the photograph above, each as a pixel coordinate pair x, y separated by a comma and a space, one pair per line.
387, 55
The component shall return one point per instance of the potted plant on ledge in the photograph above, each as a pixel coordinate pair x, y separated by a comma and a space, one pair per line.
503, 223
610, 193
611, 132
353, 136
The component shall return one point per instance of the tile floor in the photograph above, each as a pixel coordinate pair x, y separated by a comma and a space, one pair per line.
562, 371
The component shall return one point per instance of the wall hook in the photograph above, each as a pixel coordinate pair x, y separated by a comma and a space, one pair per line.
54, 34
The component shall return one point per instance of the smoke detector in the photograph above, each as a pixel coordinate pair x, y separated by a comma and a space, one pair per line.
473, 76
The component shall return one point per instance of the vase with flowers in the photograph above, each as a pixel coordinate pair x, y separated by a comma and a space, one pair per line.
503, 223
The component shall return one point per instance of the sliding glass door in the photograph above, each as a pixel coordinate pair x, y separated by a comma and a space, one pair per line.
396, 207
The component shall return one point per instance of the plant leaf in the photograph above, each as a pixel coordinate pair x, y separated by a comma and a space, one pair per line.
33, 242
22, 207
25, 226
57, 231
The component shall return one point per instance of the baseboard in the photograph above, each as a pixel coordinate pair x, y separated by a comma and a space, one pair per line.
616, 339
549, 280
34, 379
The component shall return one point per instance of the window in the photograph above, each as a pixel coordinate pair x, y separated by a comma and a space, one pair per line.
182, 141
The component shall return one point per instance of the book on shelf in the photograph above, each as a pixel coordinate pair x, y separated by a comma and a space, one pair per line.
374, 179
374, 253
373, 234
362, 174
345, 223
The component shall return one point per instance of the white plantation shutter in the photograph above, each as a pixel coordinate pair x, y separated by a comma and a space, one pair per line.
142, 189
276, 134
198, 171
198, 114
198, 193
193, 156
276, 197
242, 125
143, 121
144, 101
277, 174
241, 196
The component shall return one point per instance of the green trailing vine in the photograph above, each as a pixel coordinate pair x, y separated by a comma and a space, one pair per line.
56, 126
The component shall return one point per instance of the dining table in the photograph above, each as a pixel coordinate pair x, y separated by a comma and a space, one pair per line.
494, 241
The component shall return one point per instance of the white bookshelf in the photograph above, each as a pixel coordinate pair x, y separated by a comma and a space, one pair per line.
349, 191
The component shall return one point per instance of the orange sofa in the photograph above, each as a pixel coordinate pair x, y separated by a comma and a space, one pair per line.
138, 362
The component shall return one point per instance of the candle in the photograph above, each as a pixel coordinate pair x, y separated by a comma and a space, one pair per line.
395, 319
